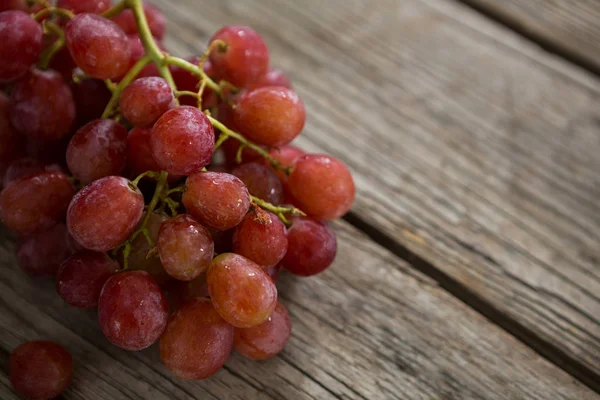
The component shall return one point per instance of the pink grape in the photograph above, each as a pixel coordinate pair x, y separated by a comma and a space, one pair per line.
85, 6
82, 276
156, 21
98, 46
144, 101
40, 369
286, 156
267, 339
42, 105
197, 341
182, 140
98, 149
245, 58
132, 310
21, 44
312, 247
28, 166
272, 116
105, 213
36, 202
216, 199
273, 77
186, 248
261, 237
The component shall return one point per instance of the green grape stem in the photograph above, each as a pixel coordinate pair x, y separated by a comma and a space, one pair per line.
59, 43
277, 210
53, 10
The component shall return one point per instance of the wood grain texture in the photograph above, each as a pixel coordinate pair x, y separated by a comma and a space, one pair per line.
369, 328
471, 147
569, 27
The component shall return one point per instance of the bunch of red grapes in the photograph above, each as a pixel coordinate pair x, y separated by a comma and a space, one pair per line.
161, 191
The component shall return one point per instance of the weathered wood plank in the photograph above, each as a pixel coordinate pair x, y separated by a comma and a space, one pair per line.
473, 148
569, 27
369, 328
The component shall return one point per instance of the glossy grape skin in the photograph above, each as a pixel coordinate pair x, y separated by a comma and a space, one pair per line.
312, 247
85, 6
91, 98
41, 254
40, 369
273, 77
261, 182
144, 101
183, 141
267, 339
156, 21
42, 105
105, 213
98, 46
246, 57
132, 310
186, 248
197, 341
322, 186
261, 237
21, 44
98, 149
27, 166
36, 202
286, 156
216, 199
82, 276
242, 293
272, 116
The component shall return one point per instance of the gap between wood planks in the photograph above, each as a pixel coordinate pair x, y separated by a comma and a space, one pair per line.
545, 42
541, 346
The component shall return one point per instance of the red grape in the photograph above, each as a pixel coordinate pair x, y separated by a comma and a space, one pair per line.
311, 247
186, 248
192, 290
63, 63
156, 21
144, 100
36, 202
132, 310
105, 213
91, 98
98, 149
218, 200
267, 339
273, 77
48, 151
85, 6
322, 186
98, 46
261, 237
82, 276
41, 254
272, 116
40, 369
261, 182
242, 293
42, 105
21, 44
287, 156
197, 341
27, 166
183, 141
246, 57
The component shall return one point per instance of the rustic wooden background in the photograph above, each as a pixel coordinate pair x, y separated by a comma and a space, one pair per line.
469, 267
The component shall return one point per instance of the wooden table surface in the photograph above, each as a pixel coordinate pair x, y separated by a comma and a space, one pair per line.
469, 267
